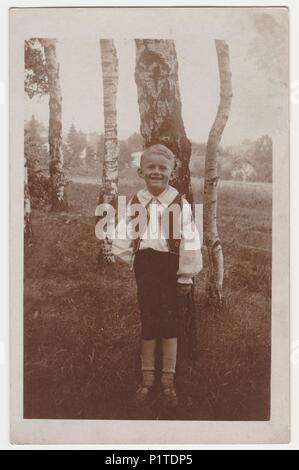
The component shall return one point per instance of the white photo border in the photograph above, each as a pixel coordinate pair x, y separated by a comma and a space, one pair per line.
46, 23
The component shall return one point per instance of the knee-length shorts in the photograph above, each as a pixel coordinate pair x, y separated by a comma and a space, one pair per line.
156, 277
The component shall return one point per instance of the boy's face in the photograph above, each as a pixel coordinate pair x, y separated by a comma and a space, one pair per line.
156, 170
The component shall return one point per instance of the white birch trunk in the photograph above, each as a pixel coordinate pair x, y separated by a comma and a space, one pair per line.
109, 188
59, 202
211, 237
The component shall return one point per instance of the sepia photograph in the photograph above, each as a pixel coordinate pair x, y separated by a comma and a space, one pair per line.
148, 176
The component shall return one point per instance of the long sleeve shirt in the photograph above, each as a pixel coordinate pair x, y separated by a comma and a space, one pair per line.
190, 258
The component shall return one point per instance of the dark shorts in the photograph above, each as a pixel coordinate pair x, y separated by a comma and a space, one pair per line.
156, 277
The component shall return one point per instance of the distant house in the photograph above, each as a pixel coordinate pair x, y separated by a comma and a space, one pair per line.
243, 170
135, 159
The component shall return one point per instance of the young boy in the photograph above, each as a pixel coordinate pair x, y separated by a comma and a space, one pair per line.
163, 266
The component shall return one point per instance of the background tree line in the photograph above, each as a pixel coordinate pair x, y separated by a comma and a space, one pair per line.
84, 155
82, 152
249, 161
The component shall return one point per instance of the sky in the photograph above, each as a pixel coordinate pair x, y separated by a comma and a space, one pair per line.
258, 46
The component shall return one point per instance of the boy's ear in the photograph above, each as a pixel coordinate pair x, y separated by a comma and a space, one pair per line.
140, 173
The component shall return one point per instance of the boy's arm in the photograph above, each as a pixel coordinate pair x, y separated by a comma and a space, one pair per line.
190, 257
121, 243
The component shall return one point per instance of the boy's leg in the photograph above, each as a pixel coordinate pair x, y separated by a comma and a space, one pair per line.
146, 289
148, 349
169, 327
147, 294
169, 350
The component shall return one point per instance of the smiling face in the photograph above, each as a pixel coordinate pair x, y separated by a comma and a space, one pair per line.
156, 170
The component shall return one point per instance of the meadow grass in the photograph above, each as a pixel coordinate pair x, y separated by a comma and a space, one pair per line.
82, 324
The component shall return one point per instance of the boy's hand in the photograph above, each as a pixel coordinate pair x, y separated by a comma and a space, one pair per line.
184, 289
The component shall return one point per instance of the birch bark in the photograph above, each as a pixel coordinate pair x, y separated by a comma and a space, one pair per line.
211, 236
57, 177
109, 187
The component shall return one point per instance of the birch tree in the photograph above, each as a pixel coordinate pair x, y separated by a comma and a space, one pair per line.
35, 83
27, 208
211, 236
160, 106
57, 178
109, 186
36, 80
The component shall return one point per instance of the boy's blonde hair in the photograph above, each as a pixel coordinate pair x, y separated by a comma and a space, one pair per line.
158, 149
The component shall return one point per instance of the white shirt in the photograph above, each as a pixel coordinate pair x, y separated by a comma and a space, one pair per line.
190, 258
153, 236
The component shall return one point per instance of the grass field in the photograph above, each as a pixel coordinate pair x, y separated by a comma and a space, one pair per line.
82, 325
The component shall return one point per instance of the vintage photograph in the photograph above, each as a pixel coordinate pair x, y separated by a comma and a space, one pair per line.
148, 174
